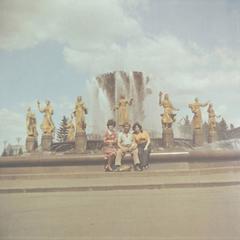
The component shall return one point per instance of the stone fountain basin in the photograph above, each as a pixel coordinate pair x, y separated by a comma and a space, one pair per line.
205, 157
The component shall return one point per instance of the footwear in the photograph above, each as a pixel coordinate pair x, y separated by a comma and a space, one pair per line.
108, 169
145, 167
117, 169
138, 168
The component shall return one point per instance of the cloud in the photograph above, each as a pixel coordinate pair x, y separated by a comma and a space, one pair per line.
85, 25
184, 70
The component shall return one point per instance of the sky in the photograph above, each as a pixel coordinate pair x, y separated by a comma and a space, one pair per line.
50, 49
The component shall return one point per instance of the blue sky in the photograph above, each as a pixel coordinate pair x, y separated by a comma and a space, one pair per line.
49, 49
33, 73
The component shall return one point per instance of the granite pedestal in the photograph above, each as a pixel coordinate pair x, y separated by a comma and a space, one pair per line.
80, 142
212, 136
167, 138
198, 138
31, 144
46, 142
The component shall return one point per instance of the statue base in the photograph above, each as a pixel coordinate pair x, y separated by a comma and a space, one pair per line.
167, 138
31, 144
80, 142
198, 137
212, 136
46, 142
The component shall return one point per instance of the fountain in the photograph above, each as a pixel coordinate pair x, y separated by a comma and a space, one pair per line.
106, 90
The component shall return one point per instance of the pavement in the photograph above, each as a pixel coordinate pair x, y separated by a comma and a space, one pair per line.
175, 200
209, 213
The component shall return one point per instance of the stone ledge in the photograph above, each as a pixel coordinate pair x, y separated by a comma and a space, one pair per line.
88, 159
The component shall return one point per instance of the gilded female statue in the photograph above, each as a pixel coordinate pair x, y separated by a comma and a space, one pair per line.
79, 113
168, 117
212, 123
47, 125
196, 110
31, 124
123, 115
71, 130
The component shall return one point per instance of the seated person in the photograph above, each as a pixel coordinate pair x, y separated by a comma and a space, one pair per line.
143, 142
110, 145
126, 144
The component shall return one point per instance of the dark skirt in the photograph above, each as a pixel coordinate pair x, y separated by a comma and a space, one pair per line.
144, 155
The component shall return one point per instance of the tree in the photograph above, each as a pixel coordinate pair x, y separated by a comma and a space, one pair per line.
20, 151
4, 153
11, 152
62, 130
222, 129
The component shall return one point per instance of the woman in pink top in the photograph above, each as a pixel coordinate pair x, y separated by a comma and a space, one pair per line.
110, 145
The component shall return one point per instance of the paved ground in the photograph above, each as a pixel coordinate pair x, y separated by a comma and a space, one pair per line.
169, 201
192, 213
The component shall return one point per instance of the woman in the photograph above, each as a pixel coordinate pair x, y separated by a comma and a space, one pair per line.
110, 145
143, 141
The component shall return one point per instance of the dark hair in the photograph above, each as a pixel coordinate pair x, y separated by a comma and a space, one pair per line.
137, 124
111, 122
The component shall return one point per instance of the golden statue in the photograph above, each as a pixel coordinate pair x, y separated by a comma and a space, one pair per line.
196, 110
168, 117
31, 124
47, 125
123, 115
71, 130
212, 123
79, 113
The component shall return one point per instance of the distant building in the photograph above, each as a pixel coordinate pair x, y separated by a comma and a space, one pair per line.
233, 133
12, 150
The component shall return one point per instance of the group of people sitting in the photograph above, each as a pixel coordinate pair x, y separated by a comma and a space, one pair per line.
117, 145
